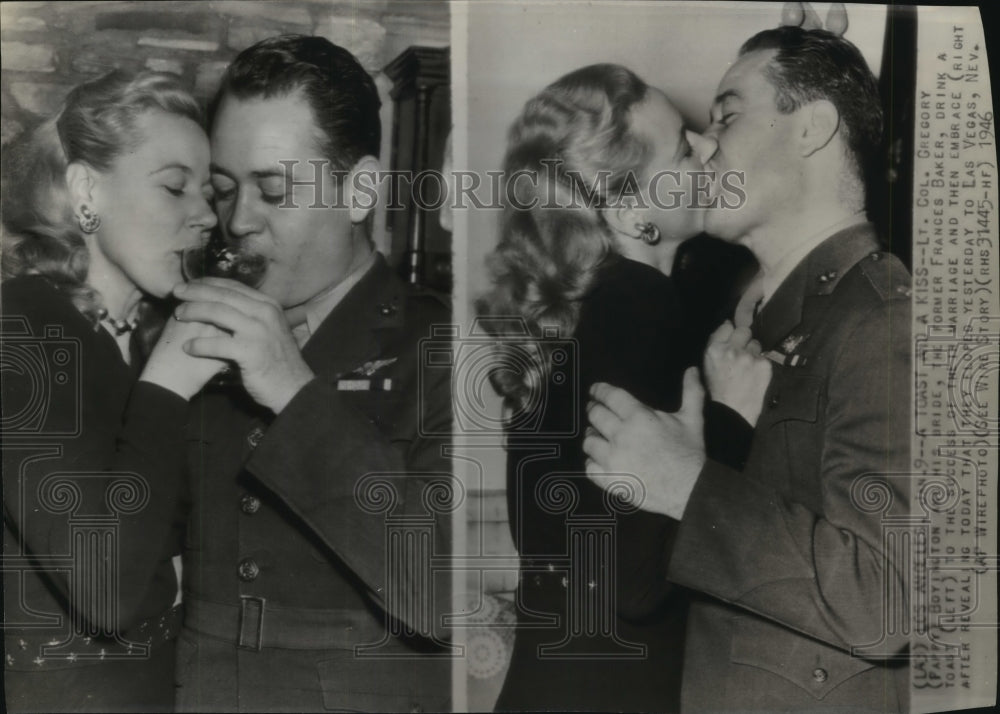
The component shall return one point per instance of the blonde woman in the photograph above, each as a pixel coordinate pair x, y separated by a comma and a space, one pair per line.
587, 244
98, 204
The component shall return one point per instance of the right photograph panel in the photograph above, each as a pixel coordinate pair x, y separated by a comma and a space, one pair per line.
688, 381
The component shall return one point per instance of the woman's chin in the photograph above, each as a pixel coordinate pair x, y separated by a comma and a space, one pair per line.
163, 285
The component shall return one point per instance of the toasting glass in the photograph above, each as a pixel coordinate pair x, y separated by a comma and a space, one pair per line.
218, 260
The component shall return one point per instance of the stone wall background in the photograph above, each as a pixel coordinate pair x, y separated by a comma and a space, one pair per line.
48, 47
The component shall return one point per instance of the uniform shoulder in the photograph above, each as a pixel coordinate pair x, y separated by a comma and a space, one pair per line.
425, 306
873, 302
880, 275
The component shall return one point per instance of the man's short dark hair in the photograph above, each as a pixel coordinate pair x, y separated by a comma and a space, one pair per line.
816, 64
342, 95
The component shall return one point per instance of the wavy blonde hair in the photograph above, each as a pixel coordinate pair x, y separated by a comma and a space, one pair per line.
572, 141
96, 125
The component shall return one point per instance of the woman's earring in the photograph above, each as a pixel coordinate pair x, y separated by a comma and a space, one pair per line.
89, 220
649, 232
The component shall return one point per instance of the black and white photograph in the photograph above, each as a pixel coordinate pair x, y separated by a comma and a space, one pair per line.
220, 453
709, 278
497, 355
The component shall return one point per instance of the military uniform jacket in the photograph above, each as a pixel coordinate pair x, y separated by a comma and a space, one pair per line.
290, 539
788, 555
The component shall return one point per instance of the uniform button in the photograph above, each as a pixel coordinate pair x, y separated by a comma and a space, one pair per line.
249, 504
773, 401
819, 675
255, 436
875, 256
536, 580
248, 570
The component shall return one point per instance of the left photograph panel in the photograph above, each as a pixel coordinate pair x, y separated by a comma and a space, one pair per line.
225, 357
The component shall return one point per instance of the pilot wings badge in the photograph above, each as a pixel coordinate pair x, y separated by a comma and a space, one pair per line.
370, 368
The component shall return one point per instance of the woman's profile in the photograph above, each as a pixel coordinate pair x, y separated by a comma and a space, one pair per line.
587, 244
99, 202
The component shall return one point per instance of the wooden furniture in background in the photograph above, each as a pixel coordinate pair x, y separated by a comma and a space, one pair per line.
420, 248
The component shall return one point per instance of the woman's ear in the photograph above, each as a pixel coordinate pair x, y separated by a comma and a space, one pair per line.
80, 181
624, 219
362, 188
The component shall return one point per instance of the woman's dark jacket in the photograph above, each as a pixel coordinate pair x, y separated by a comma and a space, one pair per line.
90, 464
630, 334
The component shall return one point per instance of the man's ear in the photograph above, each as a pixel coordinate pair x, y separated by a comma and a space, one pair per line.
363, 188
80, 181
820, 123
624, 218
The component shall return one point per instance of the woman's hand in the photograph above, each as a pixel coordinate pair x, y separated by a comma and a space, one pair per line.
736, 373
172, 368
253, 334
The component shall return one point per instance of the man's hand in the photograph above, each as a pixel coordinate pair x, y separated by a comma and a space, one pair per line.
736, 373
665, 451
257, 338
172, 368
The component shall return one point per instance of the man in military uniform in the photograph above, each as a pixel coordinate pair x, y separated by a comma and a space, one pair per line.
297, 596
789, 555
